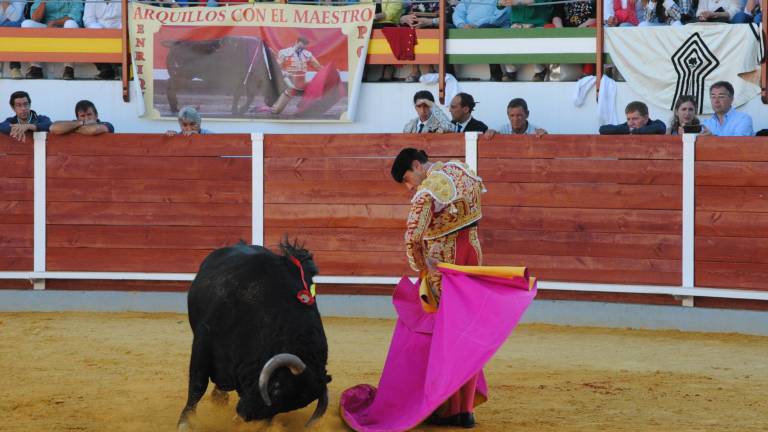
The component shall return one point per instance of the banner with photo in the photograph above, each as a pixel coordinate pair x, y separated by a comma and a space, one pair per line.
257, 61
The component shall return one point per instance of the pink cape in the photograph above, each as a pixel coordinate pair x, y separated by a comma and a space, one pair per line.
433, 354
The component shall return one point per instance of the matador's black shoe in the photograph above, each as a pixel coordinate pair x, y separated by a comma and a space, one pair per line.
466, 420
436, 420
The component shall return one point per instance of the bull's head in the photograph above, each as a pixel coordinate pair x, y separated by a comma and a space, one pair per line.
285, 384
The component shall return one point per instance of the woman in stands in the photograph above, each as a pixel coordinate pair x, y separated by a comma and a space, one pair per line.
684, 115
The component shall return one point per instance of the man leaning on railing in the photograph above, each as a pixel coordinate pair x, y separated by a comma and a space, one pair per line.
25, 119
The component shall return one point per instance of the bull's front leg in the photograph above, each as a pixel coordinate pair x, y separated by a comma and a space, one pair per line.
199, 366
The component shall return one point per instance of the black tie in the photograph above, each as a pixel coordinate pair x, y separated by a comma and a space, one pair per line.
421, 127
458, 127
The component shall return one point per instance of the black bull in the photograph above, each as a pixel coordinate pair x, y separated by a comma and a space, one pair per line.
235, 65
253, 335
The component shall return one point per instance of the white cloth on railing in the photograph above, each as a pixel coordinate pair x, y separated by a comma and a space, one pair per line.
451, 84
606, 102
582, 89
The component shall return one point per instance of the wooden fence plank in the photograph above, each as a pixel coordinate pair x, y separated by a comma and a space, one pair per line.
385, 146
16, 259
727, 198
116, 285
342, 239
587, 220
17, 189
11, 146
149, 214
15, 212
149, 237
748, 149
142, 167
731, 173
149, 145
125, 260
581, 146
731, 224
16, 236
362, 263
20, 166
581, 244
732, 275
335, 192
148, 190
656, 172
15, 284
593, 269
584, 196
732, 249
655, 299
335, 216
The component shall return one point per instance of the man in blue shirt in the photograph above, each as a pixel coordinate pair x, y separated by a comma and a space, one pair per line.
25, 120
726, 121
638, 122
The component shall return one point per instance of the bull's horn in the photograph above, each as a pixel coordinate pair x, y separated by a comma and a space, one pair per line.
280, 360
322, 405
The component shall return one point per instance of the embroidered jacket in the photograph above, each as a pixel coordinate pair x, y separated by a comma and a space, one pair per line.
446, 201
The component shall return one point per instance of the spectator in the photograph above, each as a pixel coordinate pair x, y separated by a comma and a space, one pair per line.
751, 13
87, 122
430, 118
25, 119
523, 15
67, 14
717, 10
638, 123
11, 15
579, 15
421, 15
388, 14
471, 14
726, 121
621, 13
103, 14
517, 112
461, 109
683, 115
190, 123
669, 12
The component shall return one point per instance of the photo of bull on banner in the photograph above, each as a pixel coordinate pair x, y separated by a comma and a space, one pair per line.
252, 62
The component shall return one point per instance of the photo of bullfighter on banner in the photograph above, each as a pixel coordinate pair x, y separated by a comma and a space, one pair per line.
269, 62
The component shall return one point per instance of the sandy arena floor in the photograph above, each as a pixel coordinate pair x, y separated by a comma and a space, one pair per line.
127, 372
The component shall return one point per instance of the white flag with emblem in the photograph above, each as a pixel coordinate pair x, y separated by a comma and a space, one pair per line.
664, 63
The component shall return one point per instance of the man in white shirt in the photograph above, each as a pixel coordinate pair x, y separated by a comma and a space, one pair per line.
103, 14
430, 118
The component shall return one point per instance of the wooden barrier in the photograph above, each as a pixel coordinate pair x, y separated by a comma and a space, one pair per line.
584, 208
16, 207
336, 193
144, 203
732, 213
579, 209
